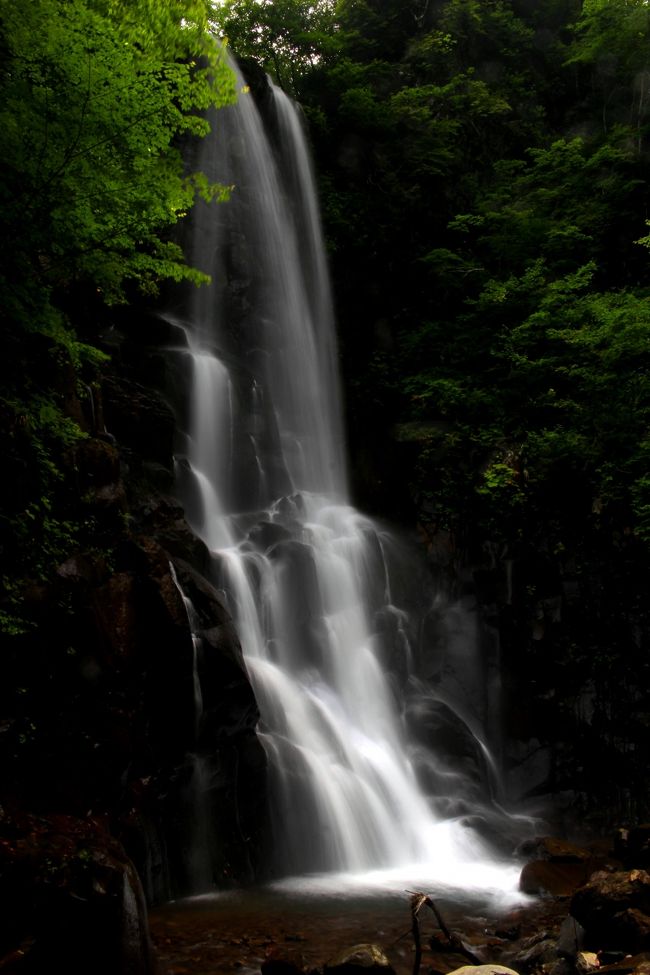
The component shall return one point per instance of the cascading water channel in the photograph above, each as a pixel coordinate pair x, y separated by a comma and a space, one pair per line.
200, 832
306, 577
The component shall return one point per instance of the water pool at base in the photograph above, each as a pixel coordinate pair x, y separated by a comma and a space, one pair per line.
315, 917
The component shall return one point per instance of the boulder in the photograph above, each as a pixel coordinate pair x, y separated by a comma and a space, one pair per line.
559, 867
365, 959
538, 951
587, 962
571, 938
557, 879
614, 909
483, 970
70, 899
283, 961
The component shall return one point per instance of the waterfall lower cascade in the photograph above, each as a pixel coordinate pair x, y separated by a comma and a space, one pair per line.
308, 579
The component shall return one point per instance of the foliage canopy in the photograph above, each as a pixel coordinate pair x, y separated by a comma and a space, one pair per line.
484, 175
96, 97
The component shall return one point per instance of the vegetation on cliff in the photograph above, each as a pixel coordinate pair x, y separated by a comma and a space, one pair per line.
484, 173
484, 177
95, 97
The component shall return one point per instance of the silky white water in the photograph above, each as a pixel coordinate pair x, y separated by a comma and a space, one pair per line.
308, 579
200, 831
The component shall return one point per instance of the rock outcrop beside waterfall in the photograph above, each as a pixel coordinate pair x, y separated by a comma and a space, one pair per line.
564, 628
563, 631
99, 752
71, 900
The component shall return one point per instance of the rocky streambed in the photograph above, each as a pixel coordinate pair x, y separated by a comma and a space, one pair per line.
582, 910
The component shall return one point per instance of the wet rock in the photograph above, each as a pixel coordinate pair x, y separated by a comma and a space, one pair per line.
571, 938
267, 533
562, 966
612, 891
508, 932
638, 964
544, 952
555, 850
163, 519
97, 462
633, 929
483, 970
110, 497
157, 331
108, 716
558, 879
364, 959
70, 899
225, 740
586, 962
559, 868
283, 961
139, 418
97, 472
158, 476
614, 909
83, 569
535, 951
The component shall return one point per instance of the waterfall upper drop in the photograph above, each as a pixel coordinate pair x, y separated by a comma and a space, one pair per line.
307, 578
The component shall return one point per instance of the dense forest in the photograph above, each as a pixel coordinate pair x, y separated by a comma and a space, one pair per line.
483, 175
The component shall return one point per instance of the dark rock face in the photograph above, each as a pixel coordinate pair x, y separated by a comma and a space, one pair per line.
107, 720
98, 700
560, 868
70, 899
614, 910
568, 626
283, 961
558, 879
139, 419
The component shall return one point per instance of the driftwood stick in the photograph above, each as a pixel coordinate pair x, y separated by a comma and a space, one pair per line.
441, 924
419, 900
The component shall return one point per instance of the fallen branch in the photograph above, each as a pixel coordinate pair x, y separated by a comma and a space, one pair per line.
418, 901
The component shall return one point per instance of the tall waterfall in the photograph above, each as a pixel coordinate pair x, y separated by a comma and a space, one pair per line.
310, 581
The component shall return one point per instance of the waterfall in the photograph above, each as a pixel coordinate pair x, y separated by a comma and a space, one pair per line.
329, 642
197, 855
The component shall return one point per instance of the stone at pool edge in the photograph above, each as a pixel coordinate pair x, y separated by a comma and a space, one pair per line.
483, 970
363, 959
558, 879
559, 868
614, 909
281, 960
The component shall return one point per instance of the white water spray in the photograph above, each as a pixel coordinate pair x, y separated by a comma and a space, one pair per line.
307, 578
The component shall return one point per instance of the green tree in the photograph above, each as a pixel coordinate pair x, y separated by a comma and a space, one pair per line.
610, 46
287, 38
96, 97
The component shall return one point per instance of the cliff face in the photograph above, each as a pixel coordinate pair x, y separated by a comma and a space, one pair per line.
105, 763
104, 754
563, 632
